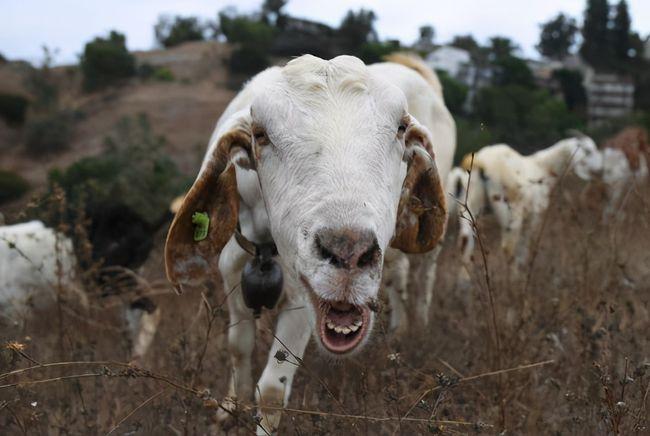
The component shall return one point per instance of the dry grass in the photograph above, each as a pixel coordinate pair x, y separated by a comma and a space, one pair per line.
564, 349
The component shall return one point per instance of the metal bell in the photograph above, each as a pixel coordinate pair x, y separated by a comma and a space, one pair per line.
261, 279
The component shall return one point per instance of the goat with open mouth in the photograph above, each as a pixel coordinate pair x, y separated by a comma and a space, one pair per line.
333, 162
342, 326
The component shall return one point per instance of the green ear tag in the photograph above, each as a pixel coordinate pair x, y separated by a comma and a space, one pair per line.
201, 223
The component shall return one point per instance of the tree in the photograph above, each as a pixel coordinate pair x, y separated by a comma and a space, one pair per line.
427, 33
424, 43
513, 71
557, 37
501, 48
106, 61
254, 39
620, 34
528, 119
170, 32
573, 91
356, 29
272, 12
465, 42
595, 34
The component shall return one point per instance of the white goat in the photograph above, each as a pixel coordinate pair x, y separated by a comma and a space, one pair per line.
333, 161
625, 166
619, 177
517, 188
37, 264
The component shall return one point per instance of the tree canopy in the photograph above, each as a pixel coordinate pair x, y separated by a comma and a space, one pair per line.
557, 37
173, 31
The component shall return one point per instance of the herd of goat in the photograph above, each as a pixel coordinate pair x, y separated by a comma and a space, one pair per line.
516, 189
288, 169
37, 262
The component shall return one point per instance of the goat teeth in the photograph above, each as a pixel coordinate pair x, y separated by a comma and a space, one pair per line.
358, 323
354, 328
330, 325
338, 329
346, 330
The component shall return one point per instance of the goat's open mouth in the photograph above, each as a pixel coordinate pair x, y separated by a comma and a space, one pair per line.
341, 325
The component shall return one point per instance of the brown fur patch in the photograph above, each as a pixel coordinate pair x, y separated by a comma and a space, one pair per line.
633, 142
422, 212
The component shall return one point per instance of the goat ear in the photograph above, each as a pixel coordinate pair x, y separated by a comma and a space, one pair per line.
422, 212
189, 259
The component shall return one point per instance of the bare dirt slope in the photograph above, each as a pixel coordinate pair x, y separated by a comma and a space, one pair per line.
183, 111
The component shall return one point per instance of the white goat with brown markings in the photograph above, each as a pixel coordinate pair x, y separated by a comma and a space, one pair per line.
517, 189
340, 165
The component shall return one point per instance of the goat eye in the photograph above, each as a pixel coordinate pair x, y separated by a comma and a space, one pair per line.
260, 137
401, 129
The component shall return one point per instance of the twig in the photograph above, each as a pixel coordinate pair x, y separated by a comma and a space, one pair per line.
140, 406
478, 376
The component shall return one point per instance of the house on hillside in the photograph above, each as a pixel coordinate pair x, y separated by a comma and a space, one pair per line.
455, 61
543, 72
608, 96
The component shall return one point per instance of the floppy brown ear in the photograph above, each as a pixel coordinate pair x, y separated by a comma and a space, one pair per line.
215, 193
422, 212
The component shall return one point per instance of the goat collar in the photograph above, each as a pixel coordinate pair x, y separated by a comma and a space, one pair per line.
253, 248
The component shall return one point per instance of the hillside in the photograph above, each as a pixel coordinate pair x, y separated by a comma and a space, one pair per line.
184, 110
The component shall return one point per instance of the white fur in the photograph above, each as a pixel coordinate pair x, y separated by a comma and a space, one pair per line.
35, 262
334, 159
38, 263
619, 178
517, 189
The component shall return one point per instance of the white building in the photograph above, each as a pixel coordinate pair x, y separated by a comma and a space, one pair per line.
455, 61
609, 96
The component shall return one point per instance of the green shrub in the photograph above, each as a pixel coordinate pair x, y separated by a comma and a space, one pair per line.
147, 71
170, 32
106, 62
49, 133
163, 74
134, 172
42, 84
12, 186
13, 108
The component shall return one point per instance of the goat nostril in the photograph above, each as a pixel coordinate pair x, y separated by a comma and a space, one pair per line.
370, 256
328, 255
347, 248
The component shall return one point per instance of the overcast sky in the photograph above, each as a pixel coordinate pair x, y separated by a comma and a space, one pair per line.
25, 25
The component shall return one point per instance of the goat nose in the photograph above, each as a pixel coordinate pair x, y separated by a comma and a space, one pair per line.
348, 248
